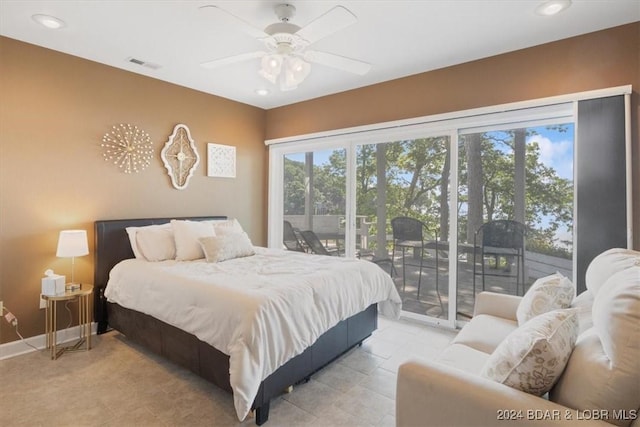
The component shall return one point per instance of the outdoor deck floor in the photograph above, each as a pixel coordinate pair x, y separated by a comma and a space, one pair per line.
428, 303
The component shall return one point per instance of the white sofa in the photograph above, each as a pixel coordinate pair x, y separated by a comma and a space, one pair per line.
600, 384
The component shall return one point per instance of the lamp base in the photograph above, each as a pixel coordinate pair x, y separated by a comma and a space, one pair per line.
73, 286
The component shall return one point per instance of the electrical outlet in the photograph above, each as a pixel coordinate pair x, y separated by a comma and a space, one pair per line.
43, 303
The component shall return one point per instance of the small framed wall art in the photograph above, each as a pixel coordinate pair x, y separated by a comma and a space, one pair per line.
221, 160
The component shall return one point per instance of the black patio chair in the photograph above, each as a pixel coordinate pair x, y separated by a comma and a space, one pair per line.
412, 233
500, 238
290, 239
314, 243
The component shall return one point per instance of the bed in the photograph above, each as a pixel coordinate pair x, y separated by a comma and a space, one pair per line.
266, 370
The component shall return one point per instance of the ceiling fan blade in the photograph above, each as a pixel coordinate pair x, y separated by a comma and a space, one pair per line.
246, 27
331, 22
336, 61
216, 63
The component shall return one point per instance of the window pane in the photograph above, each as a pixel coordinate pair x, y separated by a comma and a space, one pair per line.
406, 179
314, 198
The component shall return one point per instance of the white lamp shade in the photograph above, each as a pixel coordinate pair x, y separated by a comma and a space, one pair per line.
72, 243
296, 71
288, 70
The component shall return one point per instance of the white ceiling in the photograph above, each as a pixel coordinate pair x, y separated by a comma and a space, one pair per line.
399, 38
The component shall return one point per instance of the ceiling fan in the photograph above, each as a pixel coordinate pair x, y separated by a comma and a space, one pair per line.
286, 60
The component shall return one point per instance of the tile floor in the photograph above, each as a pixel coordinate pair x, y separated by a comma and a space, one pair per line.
120, 384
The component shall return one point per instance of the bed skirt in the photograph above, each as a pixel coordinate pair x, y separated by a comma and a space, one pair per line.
188, 351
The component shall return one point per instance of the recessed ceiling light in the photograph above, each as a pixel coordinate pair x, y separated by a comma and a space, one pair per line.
552, 7
262, 92
48, 21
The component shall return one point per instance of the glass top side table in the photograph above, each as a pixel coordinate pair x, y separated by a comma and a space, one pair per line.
83, 295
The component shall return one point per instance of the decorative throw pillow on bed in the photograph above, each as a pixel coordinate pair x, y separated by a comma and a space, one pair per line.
186, 234
227, 246
156, 244
546, 294
533, 357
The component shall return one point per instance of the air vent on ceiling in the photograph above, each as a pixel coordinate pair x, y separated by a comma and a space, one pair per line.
143, 63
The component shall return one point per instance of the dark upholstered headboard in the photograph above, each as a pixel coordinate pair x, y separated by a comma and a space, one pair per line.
112, 246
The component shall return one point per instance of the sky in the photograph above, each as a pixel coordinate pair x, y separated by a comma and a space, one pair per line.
556, 150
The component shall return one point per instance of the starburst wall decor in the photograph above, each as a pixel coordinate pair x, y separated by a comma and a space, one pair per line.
127, 147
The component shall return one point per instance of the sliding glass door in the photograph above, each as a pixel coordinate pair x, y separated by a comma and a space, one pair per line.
492, 196
402, 197
515, 209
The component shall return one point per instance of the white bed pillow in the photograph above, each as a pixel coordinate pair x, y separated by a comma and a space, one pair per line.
533, 357
156, 243
186, 234
227, 246
546, 294
227, 226
132, 232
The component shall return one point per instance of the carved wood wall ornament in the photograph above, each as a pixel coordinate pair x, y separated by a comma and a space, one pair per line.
180, 157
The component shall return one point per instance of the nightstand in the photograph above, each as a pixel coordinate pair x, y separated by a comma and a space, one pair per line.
83, 295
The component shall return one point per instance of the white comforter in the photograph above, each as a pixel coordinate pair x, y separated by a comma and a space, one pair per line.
261, 310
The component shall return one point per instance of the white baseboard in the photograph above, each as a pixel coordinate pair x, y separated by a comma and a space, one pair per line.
18, 347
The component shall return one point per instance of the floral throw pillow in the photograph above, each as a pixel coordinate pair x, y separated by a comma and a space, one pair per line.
547, 293
533, 357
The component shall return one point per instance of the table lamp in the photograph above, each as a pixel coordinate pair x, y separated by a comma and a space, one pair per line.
72, 243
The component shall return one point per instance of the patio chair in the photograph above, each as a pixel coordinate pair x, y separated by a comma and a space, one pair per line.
290, 239
314, 243
496, 239
410, 233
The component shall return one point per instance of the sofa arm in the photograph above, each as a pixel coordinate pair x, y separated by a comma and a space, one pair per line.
499, 305
432, 394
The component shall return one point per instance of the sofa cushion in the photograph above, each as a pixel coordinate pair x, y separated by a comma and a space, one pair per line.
607, 264
603, 372
546, 294
485, 332
583, 304
463, 357
532, 358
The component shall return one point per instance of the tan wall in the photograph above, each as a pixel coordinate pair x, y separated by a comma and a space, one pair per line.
54, 110
594, 61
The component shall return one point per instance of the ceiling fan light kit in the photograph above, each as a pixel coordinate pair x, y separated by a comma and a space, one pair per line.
287, 62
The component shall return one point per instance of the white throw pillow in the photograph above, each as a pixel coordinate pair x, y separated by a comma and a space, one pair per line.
546, 294
132, 232
156, 243
227, 246
607, 264
186, 234
533, 357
